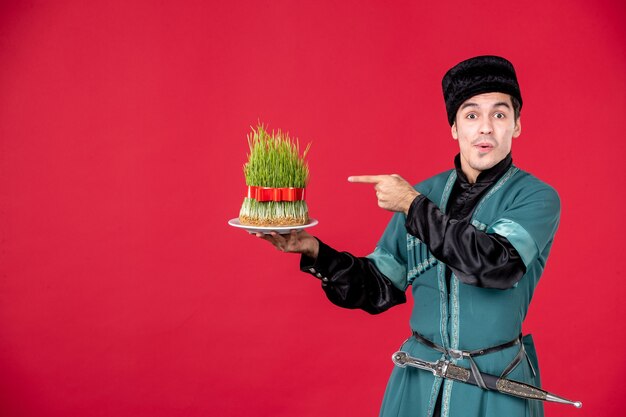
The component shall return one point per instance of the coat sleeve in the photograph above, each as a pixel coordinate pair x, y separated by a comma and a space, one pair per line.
531, 223
374, 283
352, 282
484, 259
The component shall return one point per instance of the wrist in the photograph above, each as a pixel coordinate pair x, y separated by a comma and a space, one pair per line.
408, 201
312, 248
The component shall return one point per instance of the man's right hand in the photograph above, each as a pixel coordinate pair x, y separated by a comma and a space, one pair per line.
294, 242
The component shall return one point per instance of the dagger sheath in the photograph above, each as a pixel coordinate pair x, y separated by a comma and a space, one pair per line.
507, 386
448, 370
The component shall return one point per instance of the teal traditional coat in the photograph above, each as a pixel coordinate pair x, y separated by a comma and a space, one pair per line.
525, 211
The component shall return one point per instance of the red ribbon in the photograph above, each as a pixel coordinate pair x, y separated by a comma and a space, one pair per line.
275, 194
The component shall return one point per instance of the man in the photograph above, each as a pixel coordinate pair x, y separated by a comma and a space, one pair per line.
471, 242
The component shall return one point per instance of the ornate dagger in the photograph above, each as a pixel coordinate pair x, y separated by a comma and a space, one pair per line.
448, 370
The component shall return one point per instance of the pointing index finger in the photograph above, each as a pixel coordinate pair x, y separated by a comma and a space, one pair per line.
368, 179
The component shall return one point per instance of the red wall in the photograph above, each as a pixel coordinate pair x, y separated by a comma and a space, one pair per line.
123, 291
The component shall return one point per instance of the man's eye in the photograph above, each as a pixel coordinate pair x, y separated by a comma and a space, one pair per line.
471, 116
499, 116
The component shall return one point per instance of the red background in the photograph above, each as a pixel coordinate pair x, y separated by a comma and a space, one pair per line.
123, 291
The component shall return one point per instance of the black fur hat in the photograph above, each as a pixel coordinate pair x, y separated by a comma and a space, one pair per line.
478, 75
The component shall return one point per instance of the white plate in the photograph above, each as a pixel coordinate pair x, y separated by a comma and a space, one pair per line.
283, 230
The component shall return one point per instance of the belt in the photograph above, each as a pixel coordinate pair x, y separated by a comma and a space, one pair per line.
470, 354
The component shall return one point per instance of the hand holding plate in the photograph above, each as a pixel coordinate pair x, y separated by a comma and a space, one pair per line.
294, 242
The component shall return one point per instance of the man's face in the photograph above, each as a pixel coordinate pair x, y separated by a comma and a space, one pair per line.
485, 127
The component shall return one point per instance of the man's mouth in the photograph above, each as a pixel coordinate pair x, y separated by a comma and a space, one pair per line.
483, 146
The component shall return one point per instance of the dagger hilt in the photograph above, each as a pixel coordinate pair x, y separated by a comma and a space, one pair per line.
403, 359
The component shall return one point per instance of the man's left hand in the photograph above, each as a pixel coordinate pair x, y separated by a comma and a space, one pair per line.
392, 191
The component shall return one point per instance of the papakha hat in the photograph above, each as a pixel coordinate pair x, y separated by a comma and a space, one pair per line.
478, 75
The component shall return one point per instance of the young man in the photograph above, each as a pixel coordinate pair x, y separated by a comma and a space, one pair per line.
471, 242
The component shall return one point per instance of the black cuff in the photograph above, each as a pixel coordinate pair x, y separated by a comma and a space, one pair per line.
319, 267
416, 215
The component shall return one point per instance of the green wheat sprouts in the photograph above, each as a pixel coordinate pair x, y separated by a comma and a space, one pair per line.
274, 161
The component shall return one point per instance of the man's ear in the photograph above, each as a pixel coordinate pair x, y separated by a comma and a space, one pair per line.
455, 134
518, 128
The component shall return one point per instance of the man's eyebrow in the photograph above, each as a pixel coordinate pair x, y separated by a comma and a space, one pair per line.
469, 104
498, 104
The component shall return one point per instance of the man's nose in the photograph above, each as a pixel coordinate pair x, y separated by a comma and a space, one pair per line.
486, 127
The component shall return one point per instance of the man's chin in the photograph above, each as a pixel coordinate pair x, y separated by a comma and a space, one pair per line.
484, 165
